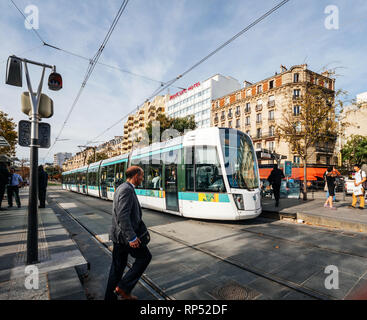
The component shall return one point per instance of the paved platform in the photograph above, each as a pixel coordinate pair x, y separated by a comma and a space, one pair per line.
58, 257
313, 212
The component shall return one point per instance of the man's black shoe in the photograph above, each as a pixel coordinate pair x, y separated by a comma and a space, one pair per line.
360, 208
10, 206
41, 207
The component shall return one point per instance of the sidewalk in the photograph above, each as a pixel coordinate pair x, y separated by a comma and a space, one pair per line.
313, 212
59, 257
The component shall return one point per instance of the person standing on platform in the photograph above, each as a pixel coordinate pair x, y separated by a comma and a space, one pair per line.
129, 236
359, 179
275, 179
4, 180
15, 182
330, 183
42, 186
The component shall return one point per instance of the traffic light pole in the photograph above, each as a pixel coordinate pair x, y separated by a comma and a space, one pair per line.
35, 99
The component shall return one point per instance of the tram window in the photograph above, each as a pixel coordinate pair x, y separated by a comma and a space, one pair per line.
110, 176
119, 175
189, 168
153, 174
103, 176
208, 172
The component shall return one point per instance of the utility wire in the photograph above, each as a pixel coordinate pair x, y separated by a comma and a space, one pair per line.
80, 56
91, 67
171, 82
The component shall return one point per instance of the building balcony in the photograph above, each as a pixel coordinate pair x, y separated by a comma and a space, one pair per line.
247, 111
238, 113
216, 119
230, 115
324, 149
222, 118
259, 107
297, 98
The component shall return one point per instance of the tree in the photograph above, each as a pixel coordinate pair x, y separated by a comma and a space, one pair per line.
312, 125
99, 156
179, 124
355, 150
7, 130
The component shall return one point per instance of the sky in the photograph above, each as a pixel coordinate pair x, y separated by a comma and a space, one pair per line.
161, 39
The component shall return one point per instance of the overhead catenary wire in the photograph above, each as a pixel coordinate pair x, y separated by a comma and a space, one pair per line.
91, 67
171, 82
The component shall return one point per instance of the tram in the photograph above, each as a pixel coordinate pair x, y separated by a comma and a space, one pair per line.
208, 173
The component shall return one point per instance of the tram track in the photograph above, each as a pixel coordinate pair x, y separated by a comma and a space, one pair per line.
145, 281
260, 273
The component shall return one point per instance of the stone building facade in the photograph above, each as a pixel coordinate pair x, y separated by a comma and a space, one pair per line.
258, 107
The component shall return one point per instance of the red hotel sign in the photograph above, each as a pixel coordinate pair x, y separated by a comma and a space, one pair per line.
185, 90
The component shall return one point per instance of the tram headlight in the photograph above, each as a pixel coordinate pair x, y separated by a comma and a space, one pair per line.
238, 198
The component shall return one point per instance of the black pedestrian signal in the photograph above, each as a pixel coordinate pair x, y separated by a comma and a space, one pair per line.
55, 81
14, 72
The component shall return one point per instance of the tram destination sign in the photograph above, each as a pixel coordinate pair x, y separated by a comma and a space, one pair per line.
24, 134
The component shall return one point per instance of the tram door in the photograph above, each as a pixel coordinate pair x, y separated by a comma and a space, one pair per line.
171, 187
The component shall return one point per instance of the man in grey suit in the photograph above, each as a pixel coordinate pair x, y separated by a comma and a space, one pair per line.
129, 236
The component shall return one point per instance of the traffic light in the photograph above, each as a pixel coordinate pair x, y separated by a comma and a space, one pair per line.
55, 81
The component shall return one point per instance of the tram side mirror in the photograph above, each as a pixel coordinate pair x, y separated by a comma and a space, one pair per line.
55, 81
14, 72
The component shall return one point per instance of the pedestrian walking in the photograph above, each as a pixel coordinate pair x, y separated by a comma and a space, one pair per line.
358, 192
129, 236
15, 182
42, 186
275, 179
330, 176
4, 180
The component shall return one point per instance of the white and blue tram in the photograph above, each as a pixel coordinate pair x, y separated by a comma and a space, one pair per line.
208, 173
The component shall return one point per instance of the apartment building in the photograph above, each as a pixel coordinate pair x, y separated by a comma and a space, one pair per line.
257, 107
139, 121
196, 99
61, 157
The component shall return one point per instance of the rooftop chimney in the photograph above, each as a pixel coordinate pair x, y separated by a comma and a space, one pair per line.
282, 68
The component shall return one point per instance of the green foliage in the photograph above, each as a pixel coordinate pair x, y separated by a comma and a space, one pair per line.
99, 156
179, 124
355, 151
7, 130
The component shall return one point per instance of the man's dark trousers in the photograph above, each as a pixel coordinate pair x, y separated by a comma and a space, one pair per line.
42, 197
120, 253
13, 190
276, 189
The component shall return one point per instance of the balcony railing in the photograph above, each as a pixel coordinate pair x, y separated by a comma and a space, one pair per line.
259, 107
216, 119
230, 115
222, 118
247, 110
238, 113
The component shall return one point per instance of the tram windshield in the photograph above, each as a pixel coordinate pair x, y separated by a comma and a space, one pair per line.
239, 158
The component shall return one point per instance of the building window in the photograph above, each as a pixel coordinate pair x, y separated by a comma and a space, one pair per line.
271, 115
247, 121
296, 93
296, 77
258, 145
229, 124
230, 113
248, 93
271, 131
259, 88
227, 100
271, 145
258, 117
271, 84
296, 159
217, 104
238, 96
296, 110
248, 107
258, 133
237, 123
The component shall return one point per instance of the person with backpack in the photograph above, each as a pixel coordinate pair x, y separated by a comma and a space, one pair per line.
360, 185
